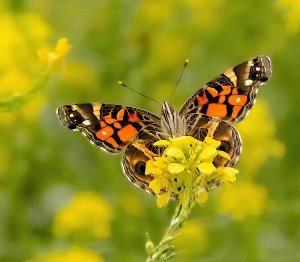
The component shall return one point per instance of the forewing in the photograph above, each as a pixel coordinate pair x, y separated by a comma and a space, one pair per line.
111, 127
231, 95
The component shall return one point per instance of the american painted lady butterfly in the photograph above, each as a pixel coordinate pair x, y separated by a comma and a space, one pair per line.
209, 112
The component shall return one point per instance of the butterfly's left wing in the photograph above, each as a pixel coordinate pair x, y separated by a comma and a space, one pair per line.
231, 95
108, 126
116, 128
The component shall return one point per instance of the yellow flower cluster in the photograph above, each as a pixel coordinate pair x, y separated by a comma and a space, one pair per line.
87, 214
186, 167
75, 254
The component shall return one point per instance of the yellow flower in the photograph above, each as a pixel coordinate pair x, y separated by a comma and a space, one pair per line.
186, 167
52, 59
87, 214
246, 199
75, 254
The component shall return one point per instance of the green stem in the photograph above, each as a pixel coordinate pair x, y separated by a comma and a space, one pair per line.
165, 249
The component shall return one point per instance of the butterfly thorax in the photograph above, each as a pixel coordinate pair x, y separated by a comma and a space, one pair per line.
171, 122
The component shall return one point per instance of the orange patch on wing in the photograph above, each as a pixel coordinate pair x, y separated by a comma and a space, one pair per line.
226, 90
133, 117
127, 132
222, 99
105, 132
237, 100
120, 114
117, 125
112, 141
102, 124
109, 120
235, 91
216, 110
236, 110
212, 91
202, 99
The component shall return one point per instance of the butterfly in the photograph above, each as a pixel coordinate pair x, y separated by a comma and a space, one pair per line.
211, 111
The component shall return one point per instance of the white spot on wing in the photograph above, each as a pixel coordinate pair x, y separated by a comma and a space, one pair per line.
86, 122
248, 82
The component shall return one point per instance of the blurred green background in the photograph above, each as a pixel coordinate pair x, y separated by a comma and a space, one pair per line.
62, 199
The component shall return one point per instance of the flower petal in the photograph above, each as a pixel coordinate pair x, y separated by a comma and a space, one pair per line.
156, 185
212, 142
208, 154
152, 168
206, 168
163, 199
223, 154
173, 151
175, 168
229, 174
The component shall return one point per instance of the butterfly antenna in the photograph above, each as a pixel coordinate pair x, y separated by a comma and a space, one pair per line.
133, 90
184, 66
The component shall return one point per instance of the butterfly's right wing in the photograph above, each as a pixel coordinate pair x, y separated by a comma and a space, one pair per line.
224, 100
231, 95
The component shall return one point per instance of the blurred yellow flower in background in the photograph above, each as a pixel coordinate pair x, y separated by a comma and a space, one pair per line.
74, 254
258, 132
245, 199
87, 214
155, 11
22, 34
52, 59
202, 12
292, 17
193, 237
